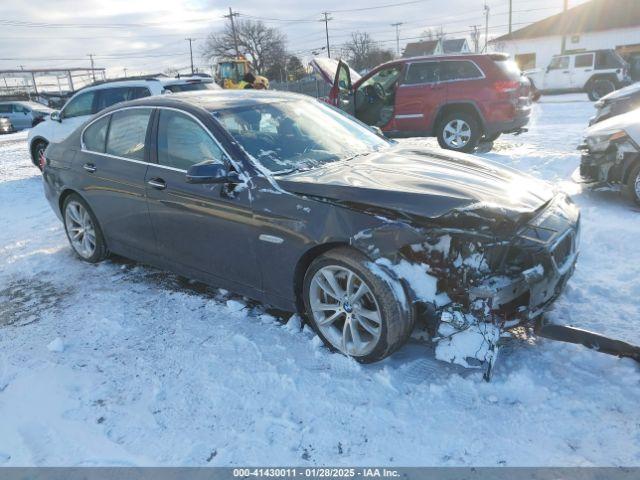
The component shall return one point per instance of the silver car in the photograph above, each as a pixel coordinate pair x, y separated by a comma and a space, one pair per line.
24, 114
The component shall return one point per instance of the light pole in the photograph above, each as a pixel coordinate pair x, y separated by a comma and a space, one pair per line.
190, 52
397, 25
231, 15
326, 29
486, 27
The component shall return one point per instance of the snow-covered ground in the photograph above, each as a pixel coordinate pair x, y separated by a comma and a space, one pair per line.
121, 364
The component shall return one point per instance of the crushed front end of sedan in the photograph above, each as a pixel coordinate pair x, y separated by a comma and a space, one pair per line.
474, 273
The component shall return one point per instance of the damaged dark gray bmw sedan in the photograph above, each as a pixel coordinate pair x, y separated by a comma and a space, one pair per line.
285, 200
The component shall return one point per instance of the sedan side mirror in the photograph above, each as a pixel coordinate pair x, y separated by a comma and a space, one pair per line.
55, 116
209, 172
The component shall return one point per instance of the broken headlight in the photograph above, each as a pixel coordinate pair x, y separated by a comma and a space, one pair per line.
601, 142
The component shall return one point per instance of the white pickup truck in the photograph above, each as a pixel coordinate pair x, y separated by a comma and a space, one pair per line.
597, 72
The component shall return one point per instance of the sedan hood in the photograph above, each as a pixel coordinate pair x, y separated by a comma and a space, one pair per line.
629, 122
422, 182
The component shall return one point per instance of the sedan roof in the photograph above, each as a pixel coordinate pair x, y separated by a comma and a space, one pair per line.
213, 100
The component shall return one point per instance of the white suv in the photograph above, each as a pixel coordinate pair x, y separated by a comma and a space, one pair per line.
597, 72
94, 98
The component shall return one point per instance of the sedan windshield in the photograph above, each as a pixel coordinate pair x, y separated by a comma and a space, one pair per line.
296, 135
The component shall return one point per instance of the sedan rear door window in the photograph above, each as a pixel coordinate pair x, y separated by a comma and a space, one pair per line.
183, 142
95, 135
128, 132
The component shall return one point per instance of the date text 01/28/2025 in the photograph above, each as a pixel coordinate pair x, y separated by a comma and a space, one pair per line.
315, 472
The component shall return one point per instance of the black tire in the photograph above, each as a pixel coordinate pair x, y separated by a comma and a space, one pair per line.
397, 319
38, 148
101, 252
599, 88
632, 188
474, 130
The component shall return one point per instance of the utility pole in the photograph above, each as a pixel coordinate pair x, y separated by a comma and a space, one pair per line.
93, 72
233, 29
475, 38
190, 53
397, 25
563, 47
510, 14
486, 27
326, 29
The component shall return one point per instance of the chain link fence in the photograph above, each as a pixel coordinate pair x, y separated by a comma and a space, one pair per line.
311, 86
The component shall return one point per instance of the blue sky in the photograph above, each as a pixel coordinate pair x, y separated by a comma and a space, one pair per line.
149, 35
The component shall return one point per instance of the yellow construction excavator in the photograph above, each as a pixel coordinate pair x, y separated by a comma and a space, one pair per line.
231, 73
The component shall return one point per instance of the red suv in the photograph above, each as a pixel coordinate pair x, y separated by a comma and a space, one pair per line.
461, 99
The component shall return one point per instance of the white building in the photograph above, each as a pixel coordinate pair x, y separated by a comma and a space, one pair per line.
593, 25
442, 46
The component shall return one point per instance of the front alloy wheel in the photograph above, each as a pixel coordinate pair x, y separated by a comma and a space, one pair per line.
345, 310
353, 310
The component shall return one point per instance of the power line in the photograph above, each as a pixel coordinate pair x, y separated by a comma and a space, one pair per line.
379, 6
96, 57
28, 24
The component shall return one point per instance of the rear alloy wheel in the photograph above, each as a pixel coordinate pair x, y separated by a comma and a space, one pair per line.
38, 153
83, 231
352, 310
600, 88
459, 132
633, 184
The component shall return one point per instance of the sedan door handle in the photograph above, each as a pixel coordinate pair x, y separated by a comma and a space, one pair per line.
157, 183
89, 167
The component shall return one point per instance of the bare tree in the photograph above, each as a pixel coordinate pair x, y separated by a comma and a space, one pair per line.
263, 45
364, 53
171, 72
433, 34
358, 49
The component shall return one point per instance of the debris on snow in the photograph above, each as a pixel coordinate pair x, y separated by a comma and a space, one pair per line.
462, 339
57, 345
